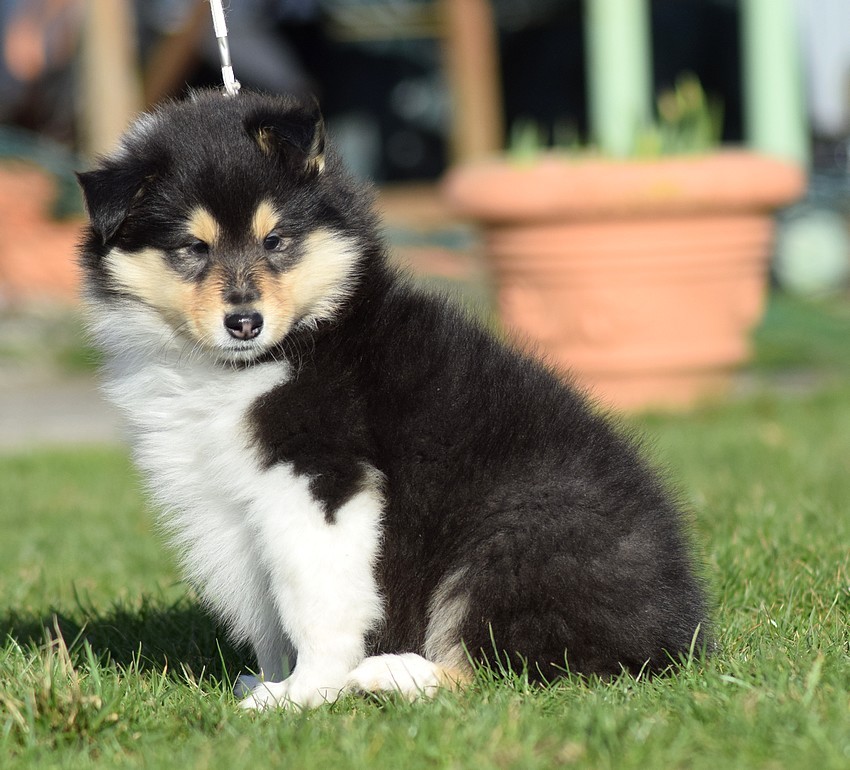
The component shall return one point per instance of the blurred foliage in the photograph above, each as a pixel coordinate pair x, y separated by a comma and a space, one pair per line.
687, 122
56, 160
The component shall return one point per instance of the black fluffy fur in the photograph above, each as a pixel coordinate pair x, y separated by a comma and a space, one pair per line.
574, 551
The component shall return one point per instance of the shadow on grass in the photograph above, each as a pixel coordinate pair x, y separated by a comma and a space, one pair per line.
151, 636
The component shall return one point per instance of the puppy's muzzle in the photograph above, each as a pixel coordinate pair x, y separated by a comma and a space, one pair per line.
244, 325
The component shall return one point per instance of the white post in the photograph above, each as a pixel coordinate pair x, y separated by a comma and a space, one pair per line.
774, 107
619, 72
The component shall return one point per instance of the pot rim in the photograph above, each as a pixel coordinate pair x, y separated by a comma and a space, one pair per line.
558, 186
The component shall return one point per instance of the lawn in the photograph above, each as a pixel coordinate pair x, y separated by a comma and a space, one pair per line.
108, 662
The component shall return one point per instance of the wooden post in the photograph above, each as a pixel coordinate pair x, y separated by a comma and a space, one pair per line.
108, 88
472, 65
175, 54
619, 72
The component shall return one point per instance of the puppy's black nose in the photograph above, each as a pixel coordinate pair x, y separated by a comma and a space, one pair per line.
243, 326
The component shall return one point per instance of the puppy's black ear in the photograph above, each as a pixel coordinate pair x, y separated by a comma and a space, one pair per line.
296, 135
110, 192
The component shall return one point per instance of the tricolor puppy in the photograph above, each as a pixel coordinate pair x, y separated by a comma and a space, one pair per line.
361, 482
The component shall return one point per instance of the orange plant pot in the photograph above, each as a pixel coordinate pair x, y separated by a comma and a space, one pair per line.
37, 254
644, 279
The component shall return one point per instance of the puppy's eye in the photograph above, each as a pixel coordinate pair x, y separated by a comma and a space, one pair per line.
199, 248
272, 242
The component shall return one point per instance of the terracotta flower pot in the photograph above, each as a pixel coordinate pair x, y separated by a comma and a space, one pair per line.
643, 278
37, 254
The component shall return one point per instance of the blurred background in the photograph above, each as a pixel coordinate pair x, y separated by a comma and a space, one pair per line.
411, 89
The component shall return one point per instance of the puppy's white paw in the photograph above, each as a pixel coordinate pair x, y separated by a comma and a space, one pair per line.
245, 684
266, 695
409, 674
297, 692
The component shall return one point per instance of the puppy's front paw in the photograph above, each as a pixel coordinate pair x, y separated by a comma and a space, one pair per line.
245, 684
293, 693
265, 695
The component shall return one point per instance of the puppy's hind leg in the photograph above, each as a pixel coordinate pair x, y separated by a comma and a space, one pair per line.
408, 674
445, 664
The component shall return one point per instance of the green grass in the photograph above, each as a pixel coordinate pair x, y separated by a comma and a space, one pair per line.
52, 337
796, 334
108, 662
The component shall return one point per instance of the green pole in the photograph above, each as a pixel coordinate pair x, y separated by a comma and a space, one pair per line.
774, 107
619, 67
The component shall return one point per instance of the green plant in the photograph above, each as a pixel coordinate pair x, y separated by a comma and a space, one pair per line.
686, 122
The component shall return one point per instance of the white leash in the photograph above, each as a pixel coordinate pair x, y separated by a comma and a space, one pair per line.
231, 84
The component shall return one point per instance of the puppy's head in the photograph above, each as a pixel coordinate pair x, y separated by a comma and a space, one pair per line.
226, 221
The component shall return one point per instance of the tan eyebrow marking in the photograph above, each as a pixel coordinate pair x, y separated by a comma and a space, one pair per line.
266, 218
203, 225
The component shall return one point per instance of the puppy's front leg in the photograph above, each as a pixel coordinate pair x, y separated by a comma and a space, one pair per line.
321, 569
273, 651
317, 679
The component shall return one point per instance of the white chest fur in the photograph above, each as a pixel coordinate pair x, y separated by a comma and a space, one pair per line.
253, 540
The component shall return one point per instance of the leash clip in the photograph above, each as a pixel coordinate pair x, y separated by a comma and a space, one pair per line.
231, 84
